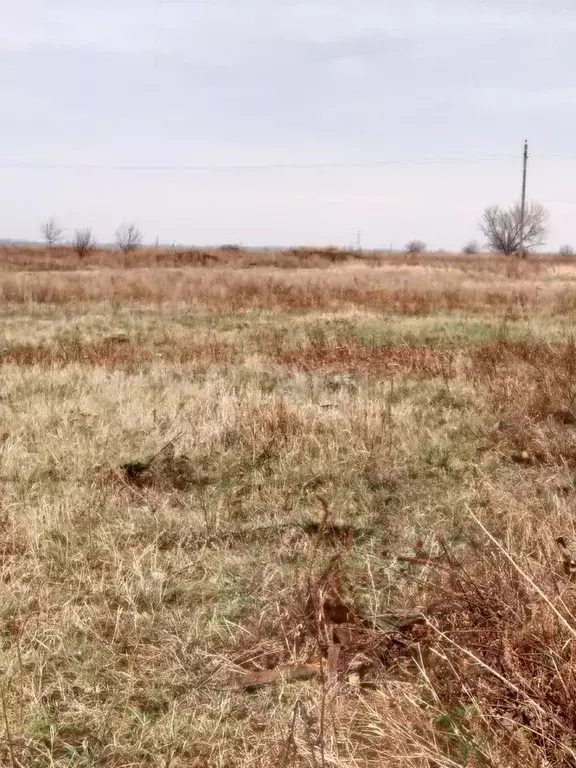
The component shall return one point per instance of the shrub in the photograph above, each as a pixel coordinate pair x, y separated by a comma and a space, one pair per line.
415, 246
471, 248
128, 238
83, 242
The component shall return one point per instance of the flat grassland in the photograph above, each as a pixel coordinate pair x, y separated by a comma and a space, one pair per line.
286, 510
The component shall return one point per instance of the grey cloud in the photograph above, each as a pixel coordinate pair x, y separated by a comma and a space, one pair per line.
149, 83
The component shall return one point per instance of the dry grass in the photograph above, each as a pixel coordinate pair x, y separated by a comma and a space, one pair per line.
36, 258
250, 519
415, 290
63, 258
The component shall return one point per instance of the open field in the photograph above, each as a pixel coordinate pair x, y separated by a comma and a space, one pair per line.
287, 514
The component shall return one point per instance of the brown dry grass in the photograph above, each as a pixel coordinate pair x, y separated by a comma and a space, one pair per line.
406, 289
379, 362
115, 352
198, 493
62, 258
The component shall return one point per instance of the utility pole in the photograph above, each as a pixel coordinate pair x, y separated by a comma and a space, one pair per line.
359, 241
523, 201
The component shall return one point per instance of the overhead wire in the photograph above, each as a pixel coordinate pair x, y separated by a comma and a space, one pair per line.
216, 167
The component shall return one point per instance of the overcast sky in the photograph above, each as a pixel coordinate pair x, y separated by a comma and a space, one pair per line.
182, 117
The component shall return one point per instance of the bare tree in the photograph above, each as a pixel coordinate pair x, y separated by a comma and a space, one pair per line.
471, 248
128, 238
415, 246
52, 232
83, 242
566, 250
502, 227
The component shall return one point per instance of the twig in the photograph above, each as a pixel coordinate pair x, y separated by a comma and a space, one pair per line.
164, 447
525, 576
7, 727
322, 713
20, 675
311, 563
484, 666
319, 537
290, 748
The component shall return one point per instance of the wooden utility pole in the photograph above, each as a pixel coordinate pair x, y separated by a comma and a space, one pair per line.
523, 200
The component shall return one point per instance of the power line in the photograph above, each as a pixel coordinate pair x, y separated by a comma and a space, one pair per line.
289, 3
339, 164
523, 199
232, 4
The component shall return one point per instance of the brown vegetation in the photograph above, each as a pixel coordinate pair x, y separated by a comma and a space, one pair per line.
382, 362
62, 257
404, 289
322, 537
114, 352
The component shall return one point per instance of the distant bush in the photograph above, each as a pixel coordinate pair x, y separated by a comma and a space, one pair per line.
52, 232
471, 248
128, 238
194, 257
232, 248
315, 254
566, 250
413, 247
83, 242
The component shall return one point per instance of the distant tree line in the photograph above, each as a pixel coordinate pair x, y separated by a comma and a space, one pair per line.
507, 232
128, 238
502, 228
